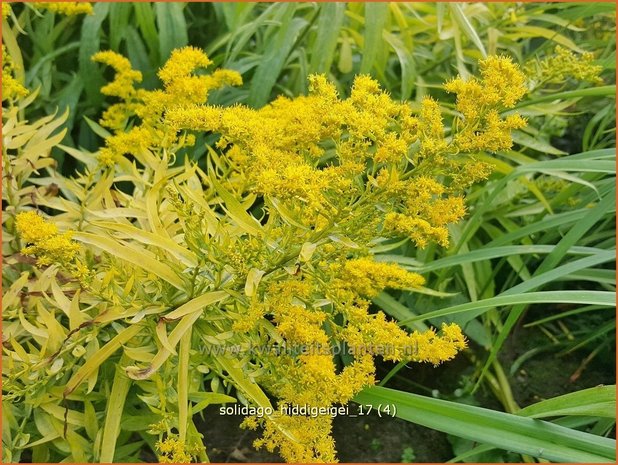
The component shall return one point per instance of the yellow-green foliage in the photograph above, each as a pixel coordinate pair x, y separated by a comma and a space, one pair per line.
195, 274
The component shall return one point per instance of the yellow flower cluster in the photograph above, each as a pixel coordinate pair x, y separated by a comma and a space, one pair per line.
428, 208
311, 152
49, 246
298, 439
480, 101
136, 141
332, 174
303, 371
287, 139
6, 10
44, 240
125, 79
304, 374
181, 87
375, 335
11, 88
173, 450
66, 8
368, 278
564, 64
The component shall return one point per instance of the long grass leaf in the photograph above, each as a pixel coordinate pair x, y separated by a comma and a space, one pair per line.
509, 432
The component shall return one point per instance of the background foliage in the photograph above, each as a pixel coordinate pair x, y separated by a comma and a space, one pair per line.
536, 251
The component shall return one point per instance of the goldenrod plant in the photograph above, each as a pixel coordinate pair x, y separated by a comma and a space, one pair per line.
272, 255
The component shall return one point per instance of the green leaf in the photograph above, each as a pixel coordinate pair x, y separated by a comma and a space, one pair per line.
399, 311
90, 44
204, 399
119, 14
376, 15
275, 56
172, 27
329, 24
599, 401
486, 253
535, 143
602, 91
567, 297
95, 361
138, 257
146, 22
197, 304
187, 257
236, 211
509, 432
465, 25
406, 60
113, 413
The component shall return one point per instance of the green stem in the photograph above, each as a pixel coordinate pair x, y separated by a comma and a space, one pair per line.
183, 384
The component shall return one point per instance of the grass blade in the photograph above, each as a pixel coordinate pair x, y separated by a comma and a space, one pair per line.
172, 27
599, 401
113, 415
376, 15
567, 297
330, 21
528, 436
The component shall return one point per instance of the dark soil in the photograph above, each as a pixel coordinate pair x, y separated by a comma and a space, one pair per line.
550, 374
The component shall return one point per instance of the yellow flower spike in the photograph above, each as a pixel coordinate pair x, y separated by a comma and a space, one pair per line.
66, 8
369, 278
319, 85
566, 64
392, 149
56, 249
431, 117
417, 229
11, 88
315, 443
33, 228
469, 95
173, 450
45, 242
126, 77
6, 10
182, 62
503, 78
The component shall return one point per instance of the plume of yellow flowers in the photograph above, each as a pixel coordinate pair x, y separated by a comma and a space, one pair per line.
368, 278
66, 8
182, 86
48, 245
11, 88
333, 176
173, 450
480, 101
564, 64
6, 10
